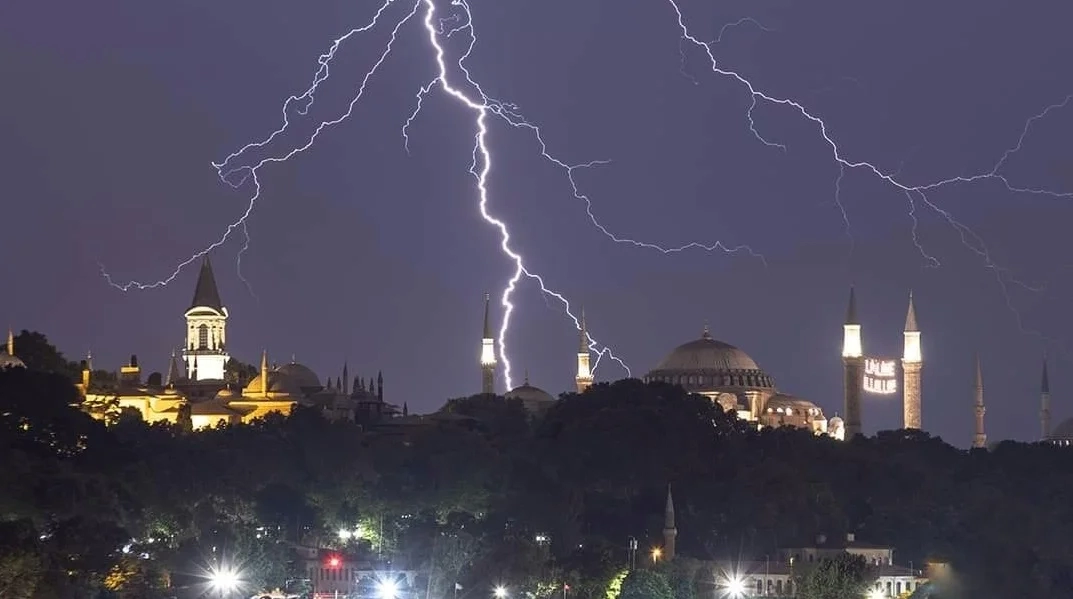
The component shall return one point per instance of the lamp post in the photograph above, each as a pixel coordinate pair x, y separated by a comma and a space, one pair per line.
631, 552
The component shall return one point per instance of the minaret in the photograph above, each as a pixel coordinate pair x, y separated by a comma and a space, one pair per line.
853, 366
10, 343
346, 380
979, 441
670, 532
264, 372
488, 352
911, 363
583, 379
206, 328
1045, 404
380, 385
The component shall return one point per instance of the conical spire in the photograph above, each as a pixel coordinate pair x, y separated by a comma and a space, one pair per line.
405, 409
707, 332
173, 371
1045, 383
206, 294
911, 317
584, 347
851, 309
487, 316
979, 440
670, 531
380, 385
346, 379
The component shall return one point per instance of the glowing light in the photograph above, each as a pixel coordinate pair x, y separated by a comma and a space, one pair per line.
875, 594
387, 589
500, 592
224, 580
733, 586
334, 562
656, 554
880, 376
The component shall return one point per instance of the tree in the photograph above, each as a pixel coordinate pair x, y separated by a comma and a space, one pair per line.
843, 577
38, 354
646, 584
238, 373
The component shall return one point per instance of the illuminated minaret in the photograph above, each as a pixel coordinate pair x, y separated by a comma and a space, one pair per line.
10, 343
584, 374
911, 364
488, 352
1045, 404
206, 329
670, 532
979, 440
853, 366
264, 373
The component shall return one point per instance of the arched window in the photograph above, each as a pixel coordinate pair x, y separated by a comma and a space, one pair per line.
203, 337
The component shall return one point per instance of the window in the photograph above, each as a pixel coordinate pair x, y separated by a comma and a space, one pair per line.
203, 337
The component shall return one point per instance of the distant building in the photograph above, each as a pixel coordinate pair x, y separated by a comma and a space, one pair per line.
891, 580
195, 391
8, 359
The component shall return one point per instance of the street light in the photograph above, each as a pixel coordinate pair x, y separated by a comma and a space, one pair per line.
734, 587
875, 594
656, 554
387, 589
500, 592
224, 580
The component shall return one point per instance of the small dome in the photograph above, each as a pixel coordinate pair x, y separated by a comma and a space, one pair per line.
278, 384
1063, 431
301, 375
788, 404
9, 361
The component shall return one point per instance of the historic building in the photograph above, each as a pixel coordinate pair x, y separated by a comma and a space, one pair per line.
196, 391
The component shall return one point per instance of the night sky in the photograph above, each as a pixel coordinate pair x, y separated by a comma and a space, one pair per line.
113, 113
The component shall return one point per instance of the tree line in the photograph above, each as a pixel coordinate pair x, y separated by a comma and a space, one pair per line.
486, 493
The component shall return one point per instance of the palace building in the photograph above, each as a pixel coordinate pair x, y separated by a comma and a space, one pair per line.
198, 391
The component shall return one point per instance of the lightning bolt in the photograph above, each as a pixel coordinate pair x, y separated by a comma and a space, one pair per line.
969, 238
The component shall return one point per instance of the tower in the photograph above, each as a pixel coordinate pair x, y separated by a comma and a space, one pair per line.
670, 532
10, 343
206, 329
488, 352
1045, 404
853, 366
264, 373
911, 364
979, 440
583, 379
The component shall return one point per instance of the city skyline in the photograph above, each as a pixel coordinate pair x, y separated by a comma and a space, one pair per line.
340, 270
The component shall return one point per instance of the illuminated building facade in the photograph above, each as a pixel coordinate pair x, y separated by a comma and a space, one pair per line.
194, 392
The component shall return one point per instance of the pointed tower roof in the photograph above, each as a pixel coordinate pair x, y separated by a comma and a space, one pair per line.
174, 371
668, 511
584, 347
911, 317
487, 322
1045, 382
206, 293
707, 332
851, 309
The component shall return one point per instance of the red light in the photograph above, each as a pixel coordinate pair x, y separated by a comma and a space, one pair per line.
334, 562
566, 587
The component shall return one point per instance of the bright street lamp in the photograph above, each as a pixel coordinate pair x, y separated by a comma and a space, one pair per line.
387, 589
224, 580
500, 592
734, 587
656, 554
875, 594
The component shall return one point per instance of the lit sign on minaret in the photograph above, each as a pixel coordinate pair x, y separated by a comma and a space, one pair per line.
880, 376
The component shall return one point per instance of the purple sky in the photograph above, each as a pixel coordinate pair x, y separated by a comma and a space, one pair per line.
114, 112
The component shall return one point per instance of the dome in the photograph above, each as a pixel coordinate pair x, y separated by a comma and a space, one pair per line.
781, 403
1064, 431
10, 361
529, 394
301, 375
278, 384
707, 365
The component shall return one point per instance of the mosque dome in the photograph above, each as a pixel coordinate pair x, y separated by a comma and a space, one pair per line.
708, 365
781, 403
301, 375
279, 383
1063, 433
533, 398
10, 361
